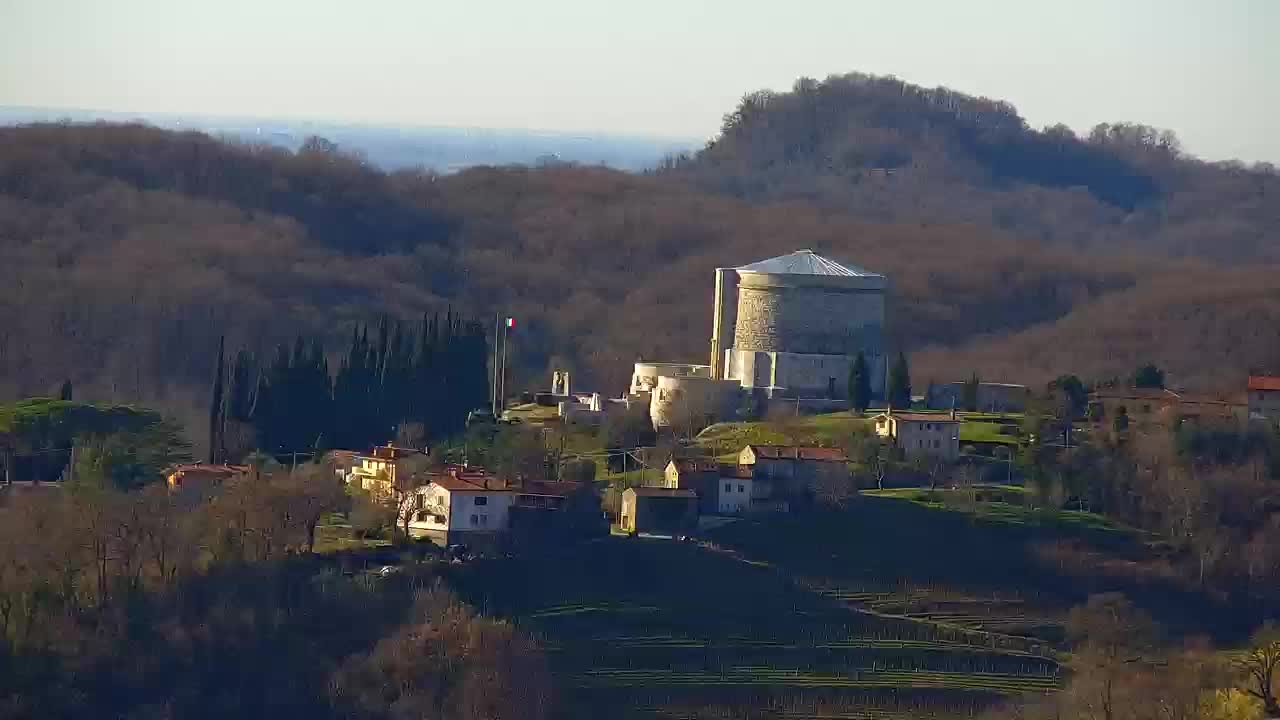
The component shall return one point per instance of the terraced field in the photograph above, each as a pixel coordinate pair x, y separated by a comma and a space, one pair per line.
891, 608
651, 628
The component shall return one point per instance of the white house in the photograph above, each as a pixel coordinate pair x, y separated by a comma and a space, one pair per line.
734, 495
921, 433
461, 507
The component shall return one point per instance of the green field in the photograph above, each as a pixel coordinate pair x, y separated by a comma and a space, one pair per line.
899, 606
827, 430
972, 431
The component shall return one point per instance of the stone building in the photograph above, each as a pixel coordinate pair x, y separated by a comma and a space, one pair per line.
791, 326
921, 434
1264, 397
660, 511
786, 328
791, 472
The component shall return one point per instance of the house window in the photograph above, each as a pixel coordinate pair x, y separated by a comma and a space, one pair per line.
1146, 408
742, 487
475, 519
421, 516
418, 502
728, 487
484, 520
482, 500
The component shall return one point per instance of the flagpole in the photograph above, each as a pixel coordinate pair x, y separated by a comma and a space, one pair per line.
493, 385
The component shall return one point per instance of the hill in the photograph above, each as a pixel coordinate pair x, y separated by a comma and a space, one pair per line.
126, 251
879, 148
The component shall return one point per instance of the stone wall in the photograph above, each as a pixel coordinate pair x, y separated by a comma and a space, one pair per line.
801, 375
810, 320
679, 401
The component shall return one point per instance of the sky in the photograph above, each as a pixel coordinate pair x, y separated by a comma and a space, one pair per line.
1209, 70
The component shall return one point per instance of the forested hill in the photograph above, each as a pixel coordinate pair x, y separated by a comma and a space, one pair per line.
127, 251
882, 149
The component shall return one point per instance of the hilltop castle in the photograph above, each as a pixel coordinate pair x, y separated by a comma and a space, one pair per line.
786, 330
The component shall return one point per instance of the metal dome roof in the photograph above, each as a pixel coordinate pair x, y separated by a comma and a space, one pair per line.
805, 262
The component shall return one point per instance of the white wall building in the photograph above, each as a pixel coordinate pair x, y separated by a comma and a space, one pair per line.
458, 508
734, 495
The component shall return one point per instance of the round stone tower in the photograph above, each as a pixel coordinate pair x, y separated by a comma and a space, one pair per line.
797, 322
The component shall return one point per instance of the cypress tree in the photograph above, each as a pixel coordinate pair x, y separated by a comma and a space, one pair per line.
860, 384
216, 405
900, 383
970, 398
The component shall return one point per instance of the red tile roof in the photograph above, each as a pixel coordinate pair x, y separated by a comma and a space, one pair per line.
210, 468
796, 452
553, 489
469, 480
696, 465
922, 417
663, 492
1132, 393
1264, 382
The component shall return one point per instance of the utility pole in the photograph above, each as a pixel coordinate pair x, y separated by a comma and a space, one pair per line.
502, 374
493, 385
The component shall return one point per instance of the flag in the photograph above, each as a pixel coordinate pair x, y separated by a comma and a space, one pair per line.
511, 322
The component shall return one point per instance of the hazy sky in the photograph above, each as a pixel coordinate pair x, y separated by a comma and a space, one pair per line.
1208, 69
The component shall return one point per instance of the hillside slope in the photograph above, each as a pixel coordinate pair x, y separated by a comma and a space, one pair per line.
125, 252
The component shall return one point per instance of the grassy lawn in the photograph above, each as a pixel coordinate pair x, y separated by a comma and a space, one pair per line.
1005, 504
533, 413
984, 432
333, 534
825, 430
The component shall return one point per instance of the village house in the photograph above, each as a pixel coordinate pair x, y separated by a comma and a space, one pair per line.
376, 472
921, 434
201, 477
461, 507
733, 495
1140, 404
790, 471
1264, 397
1167, 407
701, 475
722, 489
659, 511
548, 511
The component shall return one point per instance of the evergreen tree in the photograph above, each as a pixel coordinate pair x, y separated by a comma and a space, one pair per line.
900, 383
216, 405
1148, 376
969, 398
860, 384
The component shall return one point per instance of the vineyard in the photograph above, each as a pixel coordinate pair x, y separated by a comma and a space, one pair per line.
710, 630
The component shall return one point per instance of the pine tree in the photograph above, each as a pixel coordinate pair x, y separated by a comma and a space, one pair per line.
969, 400
860, 384
900, 383
216, 405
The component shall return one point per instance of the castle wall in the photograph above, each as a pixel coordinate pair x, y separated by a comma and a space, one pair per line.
810, 320
679, 401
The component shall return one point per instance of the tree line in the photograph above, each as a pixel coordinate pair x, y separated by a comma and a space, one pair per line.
206, 603
392, 383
